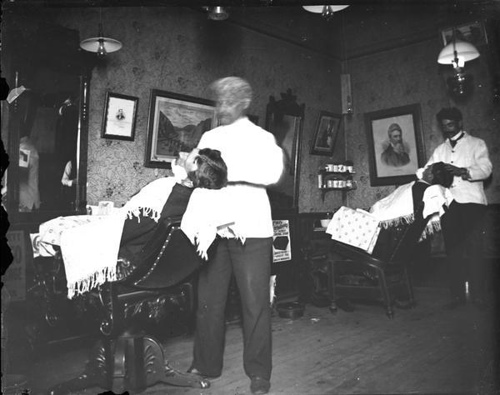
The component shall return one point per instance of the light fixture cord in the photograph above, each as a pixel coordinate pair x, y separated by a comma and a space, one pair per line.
455, 54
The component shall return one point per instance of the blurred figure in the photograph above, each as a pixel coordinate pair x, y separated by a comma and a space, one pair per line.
254, 160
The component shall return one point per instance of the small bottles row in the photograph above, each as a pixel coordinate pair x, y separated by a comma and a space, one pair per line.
346, 167
336, 184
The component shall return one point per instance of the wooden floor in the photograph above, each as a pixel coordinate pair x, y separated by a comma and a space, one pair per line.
425, 350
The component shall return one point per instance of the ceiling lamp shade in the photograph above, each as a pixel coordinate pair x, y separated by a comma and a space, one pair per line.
326, 11
457, 53
101, 45
218, 14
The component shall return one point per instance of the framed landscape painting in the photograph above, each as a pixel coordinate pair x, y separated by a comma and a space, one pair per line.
176, 123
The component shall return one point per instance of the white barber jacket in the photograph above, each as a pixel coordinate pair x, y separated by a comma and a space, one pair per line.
469, 152
252, 157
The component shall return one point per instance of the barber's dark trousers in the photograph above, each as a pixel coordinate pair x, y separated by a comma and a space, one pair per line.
251, 264
462, 230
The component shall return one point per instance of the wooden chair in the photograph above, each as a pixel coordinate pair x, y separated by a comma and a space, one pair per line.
126, 359
381, 276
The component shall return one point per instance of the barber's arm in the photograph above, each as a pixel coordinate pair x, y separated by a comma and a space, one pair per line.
480, 167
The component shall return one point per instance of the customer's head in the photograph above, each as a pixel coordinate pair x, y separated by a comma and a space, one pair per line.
436, 174
205, 168
233, 96
450, 121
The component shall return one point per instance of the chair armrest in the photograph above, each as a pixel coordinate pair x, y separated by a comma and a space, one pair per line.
355, 254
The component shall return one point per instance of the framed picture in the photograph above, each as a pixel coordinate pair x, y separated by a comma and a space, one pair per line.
395, 144
119, 117
325, 135
176, 123
473, 32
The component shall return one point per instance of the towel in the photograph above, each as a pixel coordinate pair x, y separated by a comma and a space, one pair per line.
207, 217
398, 207
90, 251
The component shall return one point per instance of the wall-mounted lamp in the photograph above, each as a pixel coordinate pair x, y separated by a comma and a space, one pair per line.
218, 14
100, 45
456, 53
326, 11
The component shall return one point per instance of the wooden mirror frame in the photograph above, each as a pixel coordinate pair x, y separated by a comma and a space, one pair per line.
77, 67
285, 194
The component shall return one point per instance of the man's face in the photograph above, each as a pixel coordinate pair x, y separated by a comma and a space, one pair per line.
450, 128
229, 109
395, 137
187, 160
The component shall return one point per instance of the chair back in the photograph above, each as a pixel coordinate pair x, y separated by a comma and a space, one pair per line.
166, 260
407, 243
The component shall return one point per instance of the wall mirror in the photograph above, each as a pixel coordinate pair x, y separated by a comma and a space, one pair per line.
45, 127
284, 119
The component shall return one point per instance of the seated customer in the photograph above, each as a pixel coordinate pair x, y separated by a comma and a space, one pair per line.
399, 208
90, 250
197, 169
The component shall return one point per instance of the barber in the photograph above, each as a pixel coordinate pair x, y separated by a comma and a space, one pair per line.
254, 160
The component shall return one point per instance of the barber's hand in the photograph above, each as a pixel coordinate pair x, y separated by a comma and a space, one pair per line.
457, 171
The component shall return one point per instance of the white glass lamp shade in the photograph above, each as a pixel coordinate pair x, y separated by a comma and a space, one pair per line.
93, 44
318, 9
465, 52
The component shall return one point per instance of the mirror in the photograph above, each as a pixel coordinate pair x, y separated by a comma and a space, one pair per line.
47, 119
284, 119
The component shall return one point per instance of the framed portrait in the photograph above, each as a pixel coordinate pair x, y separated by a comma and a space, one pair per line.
325, 135
472, 32
395, 145
176, 123
119, 117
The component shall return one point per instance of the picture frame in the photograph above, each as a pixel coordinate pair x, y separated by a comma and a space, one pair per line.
176, 123
394, 163
472, 32
119, 118
326, 133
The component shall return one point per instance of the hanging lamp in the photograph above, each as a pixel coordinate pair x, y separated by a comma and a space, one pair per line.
218, 13
326, 11
456, 53
100, 45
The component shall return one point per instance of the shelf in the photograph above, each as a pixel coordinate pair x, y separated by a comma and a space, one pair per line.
342, 173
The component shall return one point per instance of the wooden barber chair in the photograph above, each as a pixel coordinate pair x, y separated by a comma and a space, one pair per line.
126, 359
381, 276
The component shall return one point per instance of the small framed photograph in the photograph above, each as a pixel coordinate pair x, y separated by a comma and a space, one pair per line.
395, 145
325, 136
176, 123
119, 117
473, 32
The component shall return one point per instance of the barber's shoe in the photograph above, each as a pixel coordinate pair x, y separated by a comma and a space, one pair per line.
259, 386
202, 375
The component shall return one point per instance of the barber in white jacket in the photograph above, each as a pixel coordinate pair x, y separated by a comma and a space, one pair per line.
466, 158
254, 160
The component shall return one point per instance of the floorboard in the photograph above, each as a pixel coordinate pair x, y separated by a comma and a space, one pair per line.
425, 350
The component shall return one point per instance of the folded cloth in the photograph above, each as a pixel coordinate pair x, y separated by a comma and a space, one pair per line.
90, 250
354, 227
206, 217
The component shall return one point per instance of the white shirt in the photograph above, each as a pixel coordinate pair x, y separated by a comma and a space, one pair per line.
252, 156
471, 153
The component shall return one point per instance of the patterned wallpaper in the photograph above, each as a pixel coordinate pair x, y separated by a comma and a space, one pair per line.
400, 77
179, 50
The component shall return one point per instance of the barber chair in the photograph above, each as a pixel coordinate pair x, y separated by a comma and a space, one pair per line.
126, 359
381, 276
